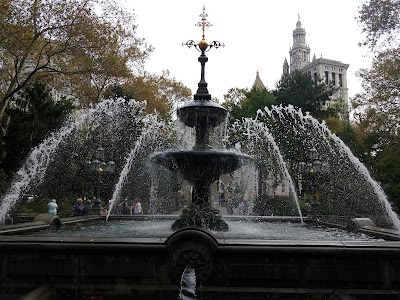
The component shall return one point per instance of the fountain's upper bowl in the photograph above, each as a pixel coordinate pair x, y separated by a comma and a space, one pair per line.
193, 112
198, 165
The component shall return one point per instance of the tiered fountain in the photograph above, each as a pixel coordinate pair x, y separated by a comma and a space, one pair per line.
202, 165
141, 258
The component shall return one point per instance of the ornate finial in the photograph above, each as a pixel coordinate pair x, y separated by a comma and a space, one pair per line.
203, 24
298, 16
203, 46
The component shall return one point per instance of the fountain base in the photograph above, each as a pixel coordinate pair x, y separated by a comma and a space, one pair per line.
203, 216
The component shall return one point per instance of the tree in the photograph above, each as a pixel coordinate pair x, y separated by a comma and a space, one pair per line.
349, 134
302, 91
34, 116
378, 107
161, 92
381, 84
380, 22
242, 103
88, 41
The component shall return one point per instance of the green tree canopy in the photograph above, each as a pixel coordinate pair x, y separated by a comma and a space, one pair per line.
88, 42
378, 113
380, 22
242, 103
34, 116
302, 91
160, 91
378, 107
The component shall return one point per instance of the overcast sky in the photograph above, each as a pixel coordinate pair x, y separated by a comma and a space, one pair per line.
257, 35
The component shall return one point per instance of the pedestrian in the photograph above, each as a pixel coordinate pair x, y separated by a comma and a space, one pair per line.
229, 207
241, 207
126, 208
138, 207
87, 208
78, 207
52, 207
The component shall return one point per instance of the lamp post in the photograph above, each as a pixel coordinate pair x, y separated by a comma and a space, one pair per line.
313, 168
99, 167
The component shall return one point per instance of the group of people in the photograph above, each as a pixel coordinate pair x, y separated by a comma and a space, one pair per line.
129, 209
81, 208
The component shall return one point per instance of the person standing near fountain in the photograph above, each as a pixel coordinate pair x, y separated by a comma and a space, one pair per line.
52, 207
137, 209
126, 209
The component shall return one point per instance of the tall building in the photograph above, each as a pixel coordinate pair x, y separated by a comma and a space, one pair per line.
329, 70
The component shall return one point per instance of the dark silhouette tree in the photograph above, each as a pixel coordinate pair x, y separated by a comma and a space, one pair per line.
242, 103
302, 91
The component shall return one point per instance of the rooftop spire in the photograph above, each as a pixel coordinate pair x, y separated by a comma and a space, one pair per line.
258, 84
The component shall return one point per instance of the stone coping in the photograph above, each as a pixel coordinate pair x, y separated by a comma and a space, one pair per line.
22, 228
152, 245
384, 233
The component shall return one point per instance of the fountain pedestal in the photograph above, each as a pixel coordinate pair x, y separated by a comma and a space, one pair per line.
203, 216
202, 165
201, 168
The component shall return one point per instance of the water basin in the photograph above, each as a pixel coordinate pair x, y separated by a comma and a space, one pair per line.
239, 230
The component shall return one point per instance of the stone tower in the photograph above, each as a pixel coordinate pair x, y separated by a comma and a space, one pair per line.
300, 51
331, 71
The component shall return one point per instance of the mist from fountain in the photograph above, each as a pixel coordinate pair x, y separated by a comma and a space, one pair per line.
278, 138
149, 134
349, 185
34, 168
251, 126
116, 120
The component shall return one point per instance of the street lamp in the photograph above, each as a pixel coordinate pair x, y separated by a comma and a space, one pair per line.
98, 166
313, 168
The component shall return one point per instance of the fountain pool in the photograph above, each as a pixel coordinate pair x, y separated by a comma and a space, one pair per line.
239, 230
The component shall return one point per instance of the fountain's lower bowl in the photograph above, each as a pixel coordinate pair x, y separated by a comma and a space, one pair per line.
201, 165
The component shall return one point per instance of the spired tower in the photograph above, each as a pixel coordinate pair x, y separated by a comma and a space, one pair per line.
300, 51
331, 71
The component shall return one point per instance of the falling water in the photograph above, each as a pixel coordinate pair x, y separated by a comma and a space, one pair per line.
188, 284
328, 143
34, 167
150, 132
281, 162
256, 129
